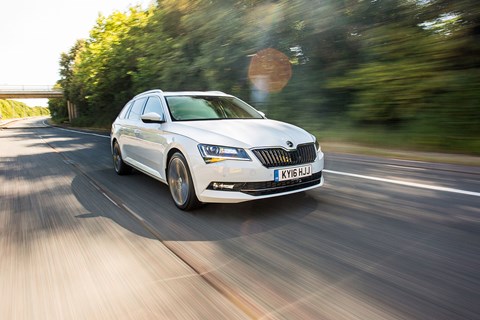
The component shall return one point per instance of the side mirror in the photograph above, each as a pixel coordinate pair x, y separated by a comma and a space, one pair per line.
152, 117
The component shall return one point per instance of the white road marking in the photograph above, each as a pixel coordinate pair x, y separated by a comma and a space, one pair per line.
399, 182
87, 133
111, 200
406, 183
133, 213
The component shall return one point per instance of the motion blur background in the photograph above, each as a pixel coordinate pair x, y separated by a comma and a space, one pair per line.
396, 73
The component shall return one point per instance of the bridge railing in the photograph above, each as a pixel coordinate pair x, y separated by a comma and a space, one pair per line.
20, 88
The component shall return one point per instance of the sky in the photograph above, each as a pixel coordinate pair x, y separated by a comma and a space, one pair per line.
33, 34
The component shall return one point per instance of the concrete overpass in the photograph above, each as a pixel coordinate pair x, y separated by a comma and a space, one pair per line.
29, 92
37, 92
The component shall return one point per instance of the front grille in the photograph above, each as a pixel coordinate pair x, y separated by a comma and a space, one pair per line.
278, 157
270, 187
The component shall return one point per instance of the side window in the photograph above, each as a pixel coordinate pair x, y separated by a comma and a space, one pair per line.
153, 105
124, 111
136, 109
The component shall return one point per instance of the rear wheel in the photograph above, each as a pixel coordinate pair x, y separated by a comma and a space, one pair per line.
181, 184
121, 168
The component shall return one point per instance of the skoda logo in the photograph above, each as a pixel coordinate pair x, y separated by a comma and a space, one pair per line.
289, 144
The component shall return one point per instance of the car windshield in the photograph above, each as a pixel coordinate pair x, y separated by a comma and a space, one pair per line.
188, 108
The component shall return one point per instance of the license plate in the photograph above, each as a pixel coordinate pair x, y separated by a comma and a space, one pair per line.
292, 173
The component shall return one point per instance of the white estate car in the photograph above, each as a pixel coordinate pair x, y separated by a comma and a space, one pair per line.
213, 147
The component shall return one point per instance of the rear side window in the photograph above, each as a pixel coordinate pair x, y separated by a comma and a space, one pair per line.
136, 109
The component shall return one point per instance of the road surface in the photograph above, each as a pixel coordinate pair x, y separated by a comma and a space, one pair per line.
383, 239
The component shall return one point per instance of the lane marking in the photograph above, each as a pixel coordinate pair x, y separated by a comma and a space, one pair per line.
111, 200
87, 133
399, 182
406, 183
133, 213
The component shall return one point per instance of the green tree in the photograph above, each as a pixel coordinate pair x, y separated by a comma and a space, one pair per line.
15, 109
412, 63
97, 73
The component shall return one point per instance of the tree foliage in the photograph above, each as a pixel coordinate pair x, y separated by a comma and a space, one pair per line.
378, 62
10, 109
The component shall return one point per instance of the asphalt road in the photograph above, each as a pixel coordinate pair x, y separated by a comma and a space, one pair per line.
383, 239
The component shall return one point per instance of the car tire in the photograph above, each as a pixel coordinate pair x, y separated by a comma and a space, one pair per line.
121, 168
180, 183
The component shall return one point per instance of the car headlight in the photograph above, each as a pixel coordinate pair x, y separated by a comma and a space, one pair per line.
212, 153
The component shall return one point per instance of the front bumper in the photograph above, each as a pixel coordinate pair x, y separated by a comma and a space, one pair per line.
237, 196
262, 188
237, 181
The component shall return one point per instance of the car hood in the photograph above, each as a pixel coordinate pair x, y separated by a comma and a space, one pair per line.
244, 133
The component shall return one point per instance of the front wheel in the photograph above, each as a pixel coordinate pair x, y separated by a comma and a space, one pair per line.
121, 168
181, 184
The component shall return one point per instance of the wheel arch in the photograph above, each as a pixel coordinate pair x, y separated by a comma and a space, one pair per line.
112, 142
170, 153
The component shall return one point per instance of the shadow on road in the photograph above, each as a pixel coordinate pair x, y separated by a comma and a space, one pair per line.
150, 200
98, 206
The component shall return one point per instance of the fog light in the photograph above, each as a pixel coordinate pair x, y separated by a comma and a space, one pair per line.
222, 186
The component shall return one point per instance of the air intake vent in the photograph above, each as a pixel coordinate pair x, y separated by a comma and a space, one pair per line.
278, 157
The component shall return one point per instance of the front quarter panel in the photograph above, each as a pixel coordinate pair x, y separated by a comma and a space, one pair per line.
187, 146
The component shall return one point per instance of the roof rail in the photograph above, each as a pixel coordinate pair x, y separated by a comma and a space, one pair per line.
217, 92
149, 91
